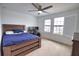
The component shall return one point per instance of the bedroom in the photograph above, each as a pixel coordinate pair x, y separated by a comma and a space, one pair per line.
13, 15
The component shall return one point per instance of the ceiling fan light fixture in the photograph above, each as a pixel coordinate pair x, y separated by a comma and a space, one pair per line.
39, 11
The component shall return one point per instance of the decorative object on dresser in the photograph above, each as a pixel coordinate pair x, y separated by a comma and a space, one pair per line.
75, 46
21, 48
34, 30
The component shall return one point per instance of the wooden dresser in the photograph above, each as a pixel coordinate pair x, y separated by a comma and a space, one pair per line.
75, 46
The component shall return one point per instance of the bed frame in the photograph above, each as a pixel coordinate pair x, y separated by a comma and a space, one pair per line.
22, 48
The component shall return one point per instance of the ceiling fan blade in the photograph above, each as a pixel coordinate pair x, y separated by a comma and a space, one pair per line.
32, 10
45, 12
47, 7
40, 7
35, 5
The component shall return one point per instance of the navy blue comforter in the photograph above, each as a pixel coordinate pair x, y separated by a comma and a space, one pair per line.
12, 39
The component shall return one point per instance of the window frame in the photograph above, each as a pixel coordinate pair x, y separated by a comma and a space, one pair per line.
58, 31
47, 25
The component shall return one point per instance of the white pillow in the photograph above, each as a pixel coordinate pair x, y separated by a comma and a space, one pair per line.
17, 33
9, 32
25, 31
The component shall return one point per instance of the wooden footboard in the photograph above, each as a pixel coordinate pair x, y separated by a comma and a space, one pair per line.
22, 49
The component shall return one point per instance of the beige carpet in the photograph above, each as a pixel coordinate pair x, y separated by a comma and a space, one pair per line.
50, 48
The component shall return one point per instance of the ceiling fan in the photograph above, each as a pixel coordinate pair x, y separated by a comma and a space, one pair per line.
39, 8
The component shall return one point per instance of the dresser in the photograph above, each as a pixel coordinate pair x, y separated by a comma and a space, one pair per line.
75, 46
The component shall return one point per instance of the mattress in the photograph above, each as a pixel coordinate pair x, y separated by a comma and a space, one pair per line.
13, 39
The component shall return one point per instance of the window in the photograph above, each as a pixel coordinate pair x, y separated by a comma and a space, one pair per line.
58, 25
47, 25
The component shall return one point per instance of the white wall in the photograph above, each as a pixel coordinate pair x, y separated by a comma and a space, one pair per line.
0, 25
77, 27
13, 17
69, 26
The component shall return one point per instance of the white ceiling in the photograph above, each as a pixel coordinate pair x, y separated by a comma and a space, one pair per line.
24, 7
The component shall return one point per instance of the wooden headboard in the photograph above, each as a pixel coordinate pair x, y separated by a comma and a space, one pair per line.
9, 27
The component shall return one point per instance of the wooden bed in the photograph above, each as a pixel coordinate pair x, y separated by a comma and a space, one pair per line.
22, 48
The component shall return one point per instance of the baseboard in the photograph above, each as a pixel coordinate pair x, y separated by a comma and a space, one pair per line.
56, 41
